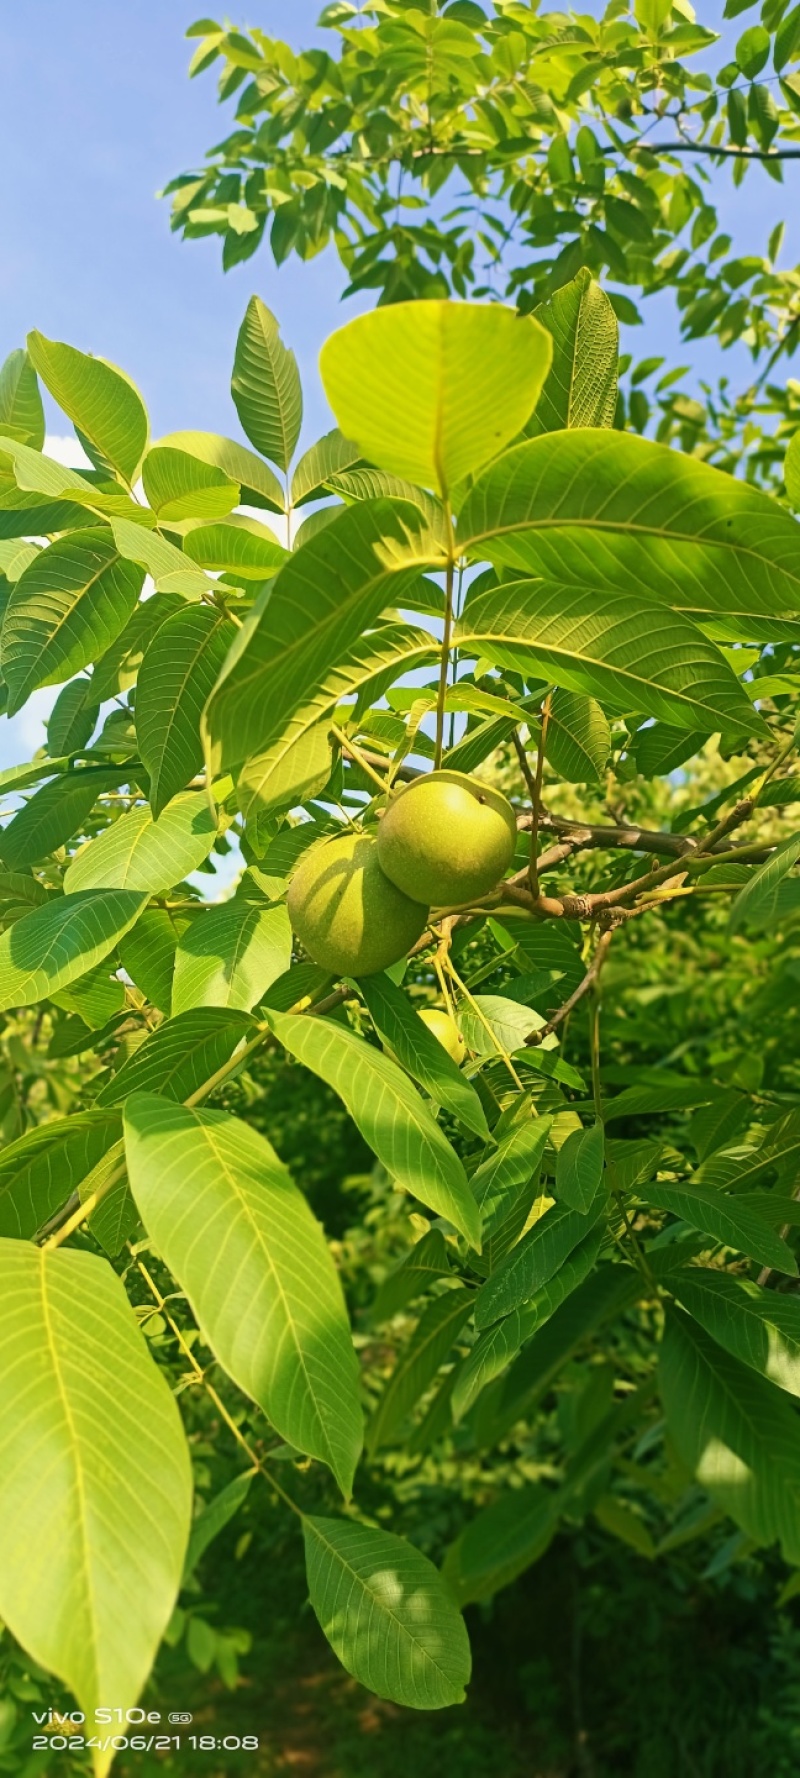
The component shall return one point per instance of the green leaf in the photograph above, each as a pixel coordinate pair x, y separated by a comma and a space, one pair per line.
418, 1363
579, 1168
291, 772
73, 718
502, 1542
431, 390
505, 1184
170, 570
53, 814
40, 1170
532, 1262
578, 739
738, 1434
179, 1056
757, 902
213, 1519
259, 486
95, 1486
147, 953
64, 611
791, 470
762, 1327
117, 669
721, 1217
240, 1238
179, 486
495, 1348
237, 545
266, 386
100, 400
581, 384
614, 512
138, 852
332, 455
392, 1118
387, 1614
230, 955
752, 51
314, 613
21, 410
618, 648
281, 773
55, 944
606, 1293
177, 675
427, 1261
510, 1021
400, 1027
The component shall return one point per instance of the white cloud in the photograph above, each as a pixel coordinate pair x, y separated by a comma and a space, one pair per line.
66, 450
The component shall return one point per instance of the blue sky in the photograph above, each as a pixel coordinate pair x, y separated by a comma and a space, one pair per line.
97, 114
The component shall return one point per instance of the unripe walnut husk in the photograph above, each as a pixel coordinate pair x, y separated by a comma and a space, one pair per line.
446, 839
346, 913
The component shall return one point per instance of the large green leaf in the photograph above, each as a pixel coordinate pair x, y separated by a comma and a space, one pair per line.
53, 814
177, 674
387, 1613
389, 1112
100, 400
762, 1327
629, 653
230, 955
238, 545
73, 718
322, 601
281, 773
617, 513
421, 1053
95, 1479
240, 1238
791, 470
182, 487
738, 1433
535, 1259
581, 384
40, 1169
179, 1056
266, 386
432, 390
418, 1363
138, 852
723, 1218
579, 1168
65, 610
21, 410
55, 944
259, 485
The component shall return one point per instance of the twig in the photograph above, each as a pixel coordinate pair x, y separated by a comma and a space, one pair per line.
360, 759
535, 1038
747, 154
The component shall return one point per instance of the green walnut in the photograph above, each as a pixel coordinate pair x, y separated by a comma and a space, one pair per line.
445, 1029
346, 913
446, 839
